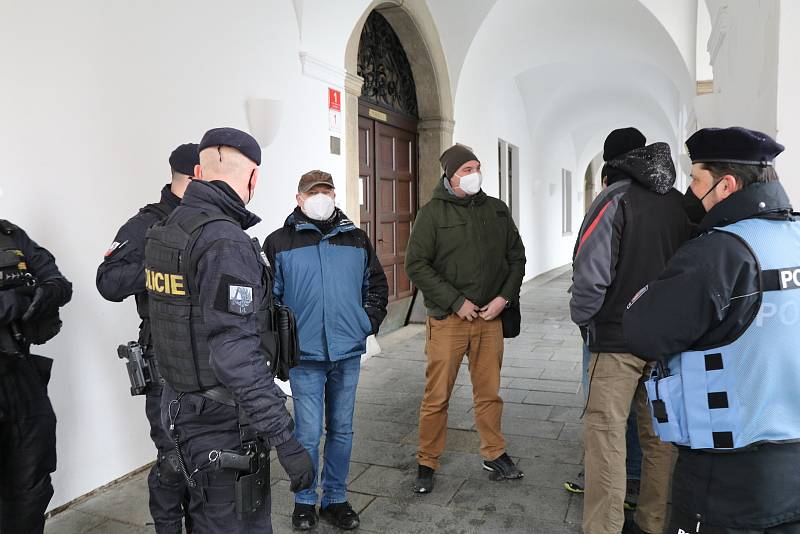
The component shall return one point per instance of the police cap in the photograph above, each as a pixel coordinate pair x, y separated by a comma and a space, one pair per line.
184, 158
732, 145
241, 141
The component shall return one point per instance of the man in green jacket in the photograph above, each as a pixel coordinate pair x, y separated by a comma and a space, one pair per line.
467, 258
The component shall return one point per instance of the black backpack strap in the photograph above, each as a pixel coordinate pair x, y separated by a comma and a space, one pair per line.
157, 208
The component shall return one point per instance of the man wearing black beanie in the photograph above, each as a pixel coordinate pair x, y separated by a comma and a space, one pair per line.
630, 232
467, 258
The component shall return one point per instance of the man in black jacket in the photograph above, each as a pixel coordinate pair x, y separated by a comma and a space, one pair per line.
121, 275
728, 304
32, 289
631, 230
209, 299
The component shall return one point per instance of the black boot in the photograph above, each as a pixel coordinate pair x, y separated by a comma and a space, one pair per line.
424, 482
341, 515
304, 516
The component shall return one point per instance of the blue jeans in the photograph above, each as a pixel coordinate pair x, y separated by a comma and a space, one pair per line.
633, 462
326, 389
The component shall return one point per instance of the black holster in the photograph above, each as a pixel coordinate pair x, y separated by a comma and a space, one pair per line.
252, 480
142, 369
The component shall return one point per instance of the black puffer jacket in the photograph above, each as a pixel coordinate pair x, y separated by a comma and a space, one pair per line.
631, 230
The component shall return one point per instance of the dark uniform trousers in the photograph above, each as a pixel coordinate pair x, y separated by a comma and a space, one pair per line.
169, 493
27, 444
687, 523
204, 425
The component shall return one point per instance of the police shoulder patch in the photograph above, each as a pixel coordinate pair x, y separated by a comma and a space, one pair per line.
235, 296
240, 299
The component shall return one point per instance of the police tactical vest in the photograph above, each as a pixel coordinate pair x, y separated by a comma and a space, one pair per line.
178, 329
161, 210
745, 392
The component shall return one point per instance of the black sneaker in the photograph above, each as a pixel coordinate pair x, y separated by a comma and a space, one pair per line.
304, 516
573, 487
632, 494
340, 515
503, 467
424, 482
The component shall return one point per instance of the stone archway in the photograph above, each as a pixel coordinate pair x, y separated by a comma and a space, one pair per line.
415, 27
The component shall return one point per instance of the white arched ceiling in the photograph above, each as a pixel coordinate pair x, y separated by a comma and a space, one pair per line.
571, 72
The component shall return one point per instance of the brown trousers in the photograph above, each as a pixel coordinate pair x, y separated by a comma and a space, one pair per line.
448, 341
617, 379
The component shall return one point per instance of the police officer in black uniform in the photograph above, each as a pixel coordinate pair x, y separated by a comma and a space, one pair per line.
210, 300
724, 317
31, 291
121, 275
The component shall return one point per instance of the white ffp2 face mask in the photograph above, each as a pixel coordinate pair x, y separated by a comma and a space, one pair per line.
319, 207
471, 183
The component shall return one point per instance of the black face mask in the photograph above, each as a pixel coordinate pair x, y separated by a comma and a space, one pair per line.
693, 207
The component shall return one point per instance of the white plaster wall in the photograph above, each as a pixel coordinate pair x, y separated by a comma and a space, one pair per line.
788, 163
744, 56
95, 97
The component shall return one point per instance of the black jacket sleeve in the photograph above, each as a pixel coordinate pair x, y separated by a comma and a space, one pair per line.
375, 292
234, 339
704, 298
122, 272
43, 266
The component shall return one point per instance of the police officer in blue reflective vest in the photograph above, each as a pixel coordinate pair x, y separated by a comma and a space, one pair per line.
210, 298
724, 317
120, 275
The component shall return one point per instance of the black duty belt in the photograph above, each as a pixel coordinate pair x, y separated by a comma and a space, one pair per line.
220, 395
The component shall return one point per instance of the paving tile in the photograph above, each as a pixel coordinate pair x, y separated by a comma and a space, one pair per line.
127, 503
513, 498
73, 521
398, 483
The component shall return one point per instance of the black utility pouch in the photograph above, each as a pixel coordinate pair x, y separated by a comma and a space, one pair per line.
288, 344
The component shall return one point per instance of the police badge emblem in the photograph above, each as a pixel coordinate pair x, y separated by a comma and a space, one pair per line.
240, 299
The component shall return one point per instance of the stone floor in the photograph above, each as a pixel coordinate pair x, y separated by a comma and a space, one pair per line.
540, 381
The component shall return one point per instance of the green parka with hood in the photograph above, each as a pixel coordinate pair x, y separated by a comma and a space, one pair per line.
464, 248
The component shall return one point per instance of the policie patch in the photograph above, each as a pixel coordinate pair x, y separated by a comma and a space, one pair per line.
234, 296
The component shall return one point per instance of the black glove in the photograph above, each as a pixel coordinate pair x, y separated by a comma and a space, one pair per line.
297, 463
46, 299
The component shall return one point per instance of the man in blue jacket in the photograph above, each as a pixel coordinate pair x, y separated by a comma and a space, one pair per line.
327, 272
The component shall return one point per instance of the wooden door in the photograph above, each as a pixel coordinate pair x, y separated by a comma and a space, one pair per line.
387, 157
396, 201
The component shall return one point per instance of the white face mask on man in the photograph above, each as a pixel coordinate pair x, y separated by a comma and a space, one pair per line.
471, 183
319, 207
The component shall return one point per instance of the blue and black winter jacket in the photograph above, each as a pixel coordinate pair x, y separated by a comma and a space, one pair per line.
333, 282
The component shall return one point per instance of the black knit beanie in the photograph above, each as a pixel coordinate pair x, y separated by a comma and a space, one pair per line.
454, 157
621, 141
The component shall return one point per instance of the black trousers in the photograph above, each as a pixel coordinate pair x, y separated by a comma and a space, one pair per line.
204, 425
27, 443
169, 493
682, 522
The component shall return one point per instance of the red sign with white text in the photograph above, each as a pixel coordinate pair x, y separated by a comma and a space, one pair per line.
334, 99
